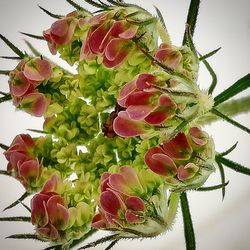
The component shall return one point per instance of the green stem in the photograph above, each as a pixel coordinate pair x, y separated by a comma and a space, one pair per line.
229, 108
191, 18
188, 225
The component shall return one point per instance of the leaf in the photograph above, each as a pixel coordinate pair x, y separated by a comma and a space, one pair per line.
33, 36
95, 4
211, 188
229, 120
77, 6
37, 131
50, 13
18, 218
188, 225
25, 237
13, 47
201, 58
233, 165
17, 201
222, 175
100, 241
241, 85
192, 18
159, 14
189, 41
86, 236
5, 98
228, 151
11, 57
212, 74
3, 172
4, 72
111, 244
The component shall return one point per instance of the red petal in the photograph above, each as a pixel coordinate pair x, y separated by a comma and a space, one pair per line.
35, 104
187, 172
139, 112
104, 181
110, 203
139, 98
178, 148
115, 52
51, 184
39, 215
159, 163
145, 81
19, 85
99, 222
125, 127
197, 136
132, 217
60, 27
58, 213
125, 91
37, 70
30, 170
97, 36
135, 203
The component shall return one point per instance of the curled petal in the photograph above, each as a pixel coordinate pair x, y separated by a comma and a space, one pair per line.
133, 218
110, 203
49, 232
35, 104
104, 181
198, 136
58, 213
126, 181
178, 148
187, 172
50, 185
135, 203
37, 70
99, 221
19, 85
115, 52
30, 170
39, 214
125, 127
159, 162
145, 81
139, 98
139, 112
125, 91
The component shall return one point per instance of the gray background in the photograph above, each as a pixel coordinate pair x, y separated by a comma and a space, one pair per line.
218, 225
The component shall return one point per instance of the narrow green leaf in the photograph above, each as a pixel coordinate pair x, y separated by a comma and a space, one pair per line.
37, 131
201, 58
111, 244
159, 14
17, 201
100, 241
77, 6
25, 237
233, 165
12, 47
187, 221
25, 206
229, 120
211, 188
18, 218
33, 36
3, 172
11, 57
241, 85
50, 13
212, 74
192, 18
4, 147
95, 4
223, 179
190, 42
228, 151
5, 98
4, 72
